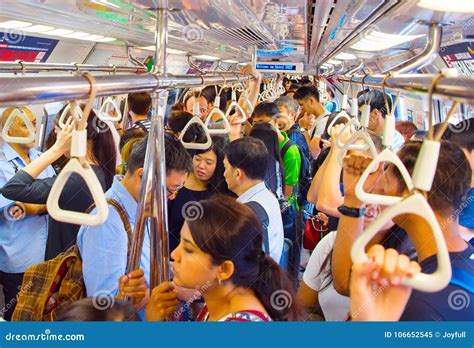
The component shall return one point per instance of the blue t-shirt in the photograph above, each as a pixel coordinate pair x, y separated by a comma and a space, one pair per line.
454, 302
466, 218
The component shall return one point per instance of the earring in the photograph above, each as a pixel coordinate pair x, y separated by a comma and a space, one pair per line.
219, 281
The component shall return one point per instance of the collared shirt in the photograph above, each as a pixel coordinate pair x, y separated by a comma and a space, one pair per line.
104, 248
23, 242
398, 141
260, 194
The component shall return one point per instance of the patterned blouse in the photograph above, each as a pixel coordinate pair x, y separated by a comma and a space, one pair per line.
241, 316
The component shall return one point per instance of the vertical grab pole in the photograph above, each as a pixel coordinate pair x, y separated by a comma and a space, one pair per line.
152, 207
160, 253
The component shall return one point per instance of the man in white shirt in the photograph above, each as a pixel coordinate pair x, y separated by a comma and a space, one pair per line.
378, 111
245, 165
308, 99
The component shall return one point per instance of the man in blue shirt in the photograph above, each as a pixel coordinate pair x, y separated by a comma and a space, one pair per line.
23, 231
104, 248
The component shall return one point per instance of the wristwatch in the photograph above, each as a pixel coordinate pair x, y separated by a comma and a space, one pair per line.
351, 212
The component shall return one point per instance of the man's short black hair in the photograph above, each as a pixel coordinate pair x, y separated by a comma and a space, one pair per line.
250, 155
376, 100
306, 92
177, 158
269, 109
139, 103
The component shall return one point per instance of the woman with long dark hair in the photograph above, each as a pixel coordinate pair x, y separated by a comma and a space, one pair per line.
220, 254
206, 179
274, 178
26, 187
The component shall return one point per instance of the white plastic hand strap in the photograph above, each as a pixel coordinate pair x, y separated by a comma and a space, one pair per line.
349, 145
344, 102
18, 140
104, 116
426, 164
235, 106
413, 204
365, 115
215, 110
66, 112
389, 131
95, 188
340, 115
352, 124
386, 155
239, 87
196, 146
281, 89
78, 165
272, 93
355, 107
196, 107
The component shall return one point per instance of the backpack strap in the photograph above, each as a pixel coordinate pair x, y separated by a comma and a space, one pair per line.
285, 148
143, 128
123, 216
263, 218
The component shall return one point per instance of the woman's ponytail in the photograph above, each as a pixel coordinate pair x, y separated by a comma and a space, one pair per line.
275, 290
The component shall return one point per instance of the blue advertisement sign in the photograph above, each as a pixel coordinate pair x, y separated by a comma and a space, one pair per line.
15, 45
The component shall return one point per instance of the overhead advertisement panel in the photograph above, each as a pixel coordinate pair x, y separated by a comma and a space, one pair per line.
459, 56
18, 46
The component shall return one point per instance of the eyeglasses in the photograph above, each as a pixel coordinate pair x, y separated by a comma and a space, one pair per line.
170, 193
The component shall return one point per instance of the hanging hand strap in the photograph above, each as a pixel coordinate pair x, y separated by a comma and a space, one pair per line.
78, 165
8, 124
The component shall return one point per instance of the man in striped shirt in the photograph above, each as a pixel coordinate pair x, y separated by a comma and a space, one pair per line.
139, 105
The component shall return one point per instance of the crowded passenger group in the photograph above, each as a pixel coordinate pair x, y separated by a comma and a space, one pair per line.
279, 214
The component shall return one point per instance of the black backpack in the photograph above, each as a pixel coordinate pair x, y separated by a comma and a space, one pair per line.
305, 177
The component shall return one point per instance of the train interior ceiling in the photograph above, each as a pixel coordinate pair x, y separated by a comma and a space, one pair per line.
334, 36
